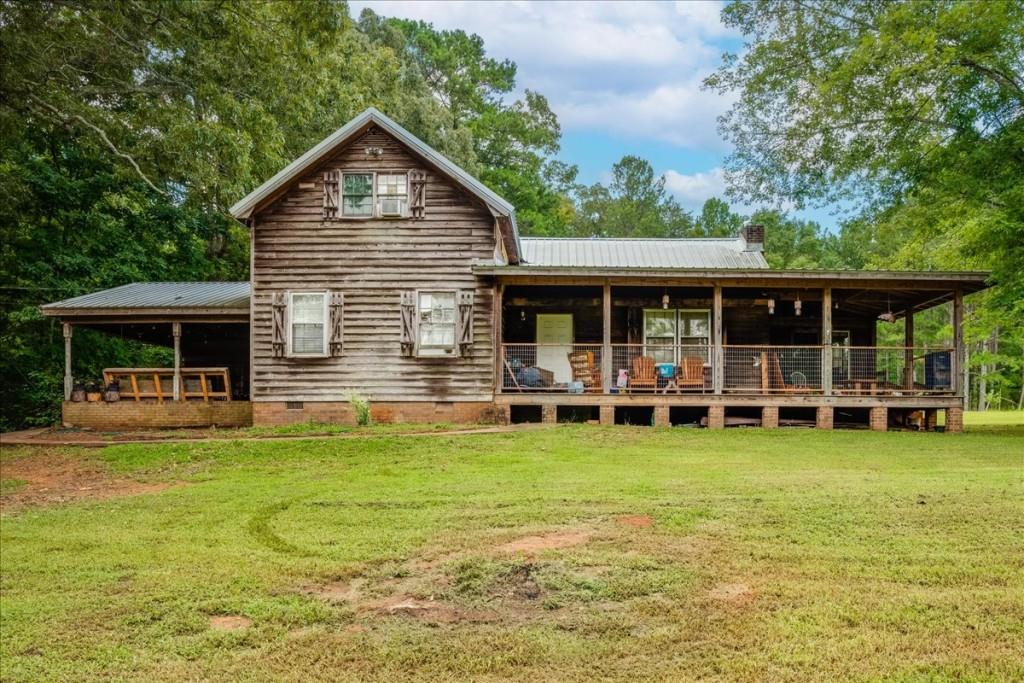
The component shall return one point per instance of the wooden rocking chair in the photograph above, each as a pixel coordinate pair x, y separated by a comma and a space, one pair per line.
643, 378
691, 375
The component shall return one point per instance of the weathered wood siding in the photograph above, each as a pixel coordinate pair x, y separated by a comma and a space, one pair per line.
372, 261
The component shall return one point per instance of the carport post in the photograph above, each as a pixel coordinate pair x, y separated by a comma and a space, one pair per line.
176, 332
68, 379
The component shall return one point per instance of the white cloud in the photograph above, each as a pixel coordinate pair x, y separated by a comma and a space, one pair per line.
693, 189
632, 68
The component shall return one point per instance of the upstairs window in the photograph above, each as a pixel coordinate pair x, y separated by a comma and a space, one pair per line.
392, 194
308, 324
436, 324
357, 195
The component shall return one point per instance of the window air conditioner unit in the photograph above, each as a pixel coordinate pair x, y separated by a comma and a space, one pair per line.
392, 207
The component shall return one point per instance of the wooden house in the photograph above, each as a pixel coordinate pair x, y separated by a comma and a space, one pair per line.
382, 270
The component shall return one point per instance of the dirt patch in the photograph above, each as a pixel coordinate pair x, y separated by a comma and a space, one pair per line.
226, 622
55, 477
732, 593
552, 541
640, 521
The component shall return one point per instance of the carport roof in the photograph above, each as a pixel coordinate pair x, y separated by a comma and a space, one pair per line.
176, 299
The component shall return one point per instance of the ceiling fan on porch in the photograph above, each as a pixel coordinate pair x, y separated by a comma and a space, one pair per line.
887, 316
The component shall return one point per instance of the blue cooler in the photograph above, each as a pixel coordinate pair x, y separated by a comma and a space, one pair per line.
666, 370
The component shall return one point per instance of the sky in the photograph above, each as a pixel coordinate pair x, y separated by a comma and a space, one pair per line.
622, 77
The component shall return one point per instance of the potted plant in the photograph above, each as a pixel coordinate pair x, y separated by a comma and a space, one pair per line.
93, 393
78, 392
113, 392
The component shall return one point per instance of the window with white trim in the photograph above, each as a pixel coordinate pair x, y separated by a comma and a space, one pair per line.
672, 328
307, 327
436, 334
357, 195
392, 194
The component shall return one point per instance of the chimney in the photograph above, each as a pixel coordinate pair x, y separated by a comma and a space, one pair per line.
752, 235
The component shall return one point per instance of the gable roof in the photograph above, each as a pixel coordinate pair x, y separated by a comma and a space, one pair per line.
499, 207
596, 252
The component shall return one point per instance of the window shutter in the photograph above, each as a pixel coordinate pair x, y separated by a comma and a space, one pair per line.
336, 322
417, 193
277, 325
465, 332
408, 331
332, 193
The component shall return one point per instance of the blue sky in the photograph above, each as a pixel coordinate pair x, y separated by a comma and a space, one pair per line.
623, 78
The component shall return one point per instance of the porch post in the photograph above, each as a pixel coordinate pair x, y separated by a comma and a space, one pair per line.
957, 364
68, 379
908, 349
499, 337
826, 341
718, 362
176, 333
606, 339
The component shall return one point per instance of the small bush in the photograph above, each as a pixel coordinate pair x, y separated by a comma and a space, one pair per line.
361, 406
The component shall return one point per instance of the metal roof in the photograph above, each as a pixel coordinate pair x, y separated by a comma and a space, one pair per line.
244, 207
160, 296
560, 252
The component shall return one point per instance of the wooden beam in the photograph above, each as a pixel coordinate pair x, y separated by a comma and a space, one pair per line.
606, 338
499, 334
718, 360
908, 353
68, 378
826, 341
176, 333
958, 345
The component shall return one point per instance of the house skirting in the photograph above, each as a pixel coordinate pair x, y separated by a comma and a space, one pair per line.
152, 415
273, 413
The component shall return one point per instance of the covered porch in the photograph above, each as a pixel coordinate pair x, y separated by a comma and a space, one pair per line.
206, 328
774, 339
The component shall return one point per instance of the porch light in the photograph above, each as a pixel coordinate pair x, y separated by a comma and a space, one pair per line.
797, 305
771, 306
522, 314
664, 299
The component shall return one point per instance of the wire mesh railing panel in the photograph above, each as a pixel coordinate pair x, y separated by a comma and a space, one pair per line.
665, 368
772, 369
872, 370
556, 368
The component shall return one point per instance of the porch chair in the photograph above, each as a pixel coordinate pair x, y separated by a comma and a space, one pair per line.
585, 370
771, 376
643, 377
691, 373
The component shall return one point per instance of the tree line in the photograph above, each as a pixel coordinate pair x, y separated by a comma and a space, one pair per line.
129, 127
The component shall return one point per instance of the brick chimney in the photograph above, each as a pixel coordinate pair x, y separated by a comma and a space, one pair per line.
752, 235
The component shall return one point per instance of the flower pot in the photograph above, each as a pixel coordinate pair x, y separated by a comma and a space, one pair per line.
94, 397
78, 394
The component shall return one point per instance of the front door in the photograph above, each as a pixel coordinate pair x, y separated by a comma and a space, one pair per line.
554, 344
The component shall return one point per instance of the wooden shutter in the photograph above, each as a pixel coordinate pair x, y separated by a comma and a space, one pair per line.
408, 331
277, 325
465, 318
336, 322
332, 193
417, 193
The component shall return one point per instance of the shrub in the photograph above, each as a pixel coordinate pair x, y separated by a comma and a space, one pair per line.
361, 407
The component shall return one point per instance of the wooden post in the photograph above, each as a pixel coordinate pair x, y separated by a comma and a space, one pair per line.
176, 333
826, 341
499, 337
68, 378
908, 349
718, 362
957, 364
606, 339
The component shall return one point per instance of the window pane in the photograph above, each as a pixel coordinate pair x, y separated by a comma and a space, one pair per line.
307, 338
357, 206
358, 183
391, 185
660, 324
661, 349
308, 308
694, 323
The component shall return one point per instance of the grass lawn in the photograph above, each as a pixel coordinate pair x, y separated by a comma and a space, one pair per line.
572, 553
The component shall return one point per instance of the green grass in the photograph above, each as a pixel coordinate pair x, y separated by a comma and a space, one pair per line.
785, 555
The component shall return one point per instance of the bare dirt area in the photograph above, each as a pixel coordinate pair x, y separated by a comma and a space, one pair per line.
224, 622
639, 521
552, 541
53, 477
732, 593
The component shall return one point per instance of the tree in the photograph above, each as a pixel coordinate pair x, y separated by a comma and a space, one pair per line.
716, 219
634, 204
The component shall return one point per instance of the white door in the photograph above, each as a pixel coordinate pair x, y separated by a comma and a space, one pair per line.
554, 343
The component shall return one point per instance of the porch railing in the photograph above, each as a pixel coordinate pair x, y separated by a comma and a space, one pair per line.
750, 369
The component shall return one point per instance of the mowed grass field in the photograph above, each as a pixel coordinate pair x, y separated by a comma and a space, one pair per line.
574, 553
